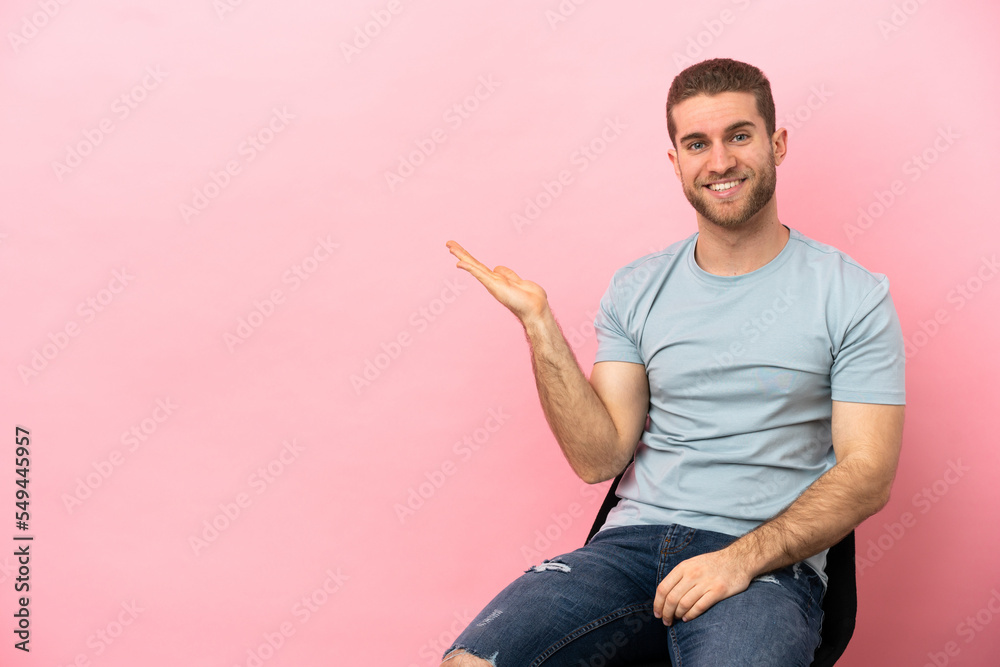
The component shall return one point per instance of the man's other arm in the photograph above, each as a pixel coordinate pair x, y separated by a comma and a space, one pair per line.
866, 440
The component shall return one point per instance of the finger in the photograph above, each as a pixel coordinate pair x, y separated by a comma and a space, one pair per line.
507, 273
687, 601
661, 597
698, 607
483, 275
671, 587
455, 247
479, 271
463, 255
660, 600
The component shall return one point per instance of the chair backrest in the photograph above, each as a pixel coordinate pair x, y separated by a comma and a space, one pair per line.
840, 604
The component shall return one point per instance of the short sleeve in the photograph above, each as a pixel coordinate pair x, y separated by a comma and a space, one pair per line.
870, 365
614, 343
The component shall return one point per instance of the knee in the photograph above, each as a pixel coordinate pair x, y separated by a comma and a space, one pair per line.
460, 658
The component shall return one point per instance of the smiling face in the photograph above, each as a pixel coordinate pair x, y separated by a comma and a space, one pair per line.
725, 159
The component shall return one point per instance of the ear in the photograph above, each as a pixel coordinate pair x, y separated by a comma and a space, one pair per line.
779, 145
672, 154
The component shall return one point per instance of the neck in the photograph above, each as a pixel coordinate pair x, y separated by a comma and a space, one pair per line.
733, 252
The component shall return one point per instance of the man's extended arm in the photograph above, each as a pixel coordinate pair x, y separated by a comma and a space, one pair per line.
597, 423
866, 440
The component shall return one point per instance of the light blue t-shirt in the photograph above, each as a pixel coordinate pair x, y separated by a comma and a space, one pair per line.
742, 371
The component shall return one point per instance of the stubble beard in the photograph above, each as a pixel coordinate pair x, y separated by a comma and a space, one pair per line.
733, 216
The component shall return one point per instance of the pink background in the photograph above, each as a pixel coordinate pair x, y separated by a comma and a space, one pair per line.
863, 88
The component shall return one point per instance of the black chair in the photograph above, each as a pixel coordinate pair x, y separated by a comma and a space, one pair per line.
840, 604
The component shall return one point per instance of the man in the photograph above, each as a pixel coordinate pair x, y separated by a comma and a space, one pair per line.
771, 370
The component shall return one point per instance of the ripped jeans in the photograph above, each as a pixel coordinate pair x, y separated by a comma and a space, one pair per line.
593, 607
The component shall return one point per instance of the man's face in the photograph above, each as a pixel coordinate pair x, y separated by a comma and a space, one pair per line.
724, 158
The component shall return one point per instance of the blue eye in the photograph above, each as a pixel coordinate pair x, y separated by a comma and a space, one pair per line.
695, 145
742, 134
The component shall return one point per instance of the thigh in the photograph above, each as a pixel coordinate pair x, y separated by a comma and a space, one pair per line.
592, 606
775, 621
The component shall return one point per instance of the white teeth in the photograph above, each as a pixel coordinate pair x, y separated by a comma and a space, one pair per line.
723, 186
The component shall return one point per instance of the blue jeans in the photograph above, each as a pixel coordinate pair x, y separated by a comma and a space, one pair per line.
593, 607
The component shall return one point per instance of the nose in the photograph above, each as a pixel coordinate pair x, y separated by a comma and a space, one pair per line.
720, 159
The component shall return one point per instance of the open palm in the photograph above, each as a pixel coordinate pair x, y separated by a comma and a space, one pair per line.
522, 297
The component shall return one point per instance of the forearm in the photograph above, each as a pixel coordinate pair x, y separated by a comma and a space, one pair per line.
579, 418
575, 413
829, 509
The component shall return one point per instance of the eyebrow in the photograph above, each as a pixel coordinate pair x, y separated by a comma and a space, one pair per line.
701, 135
